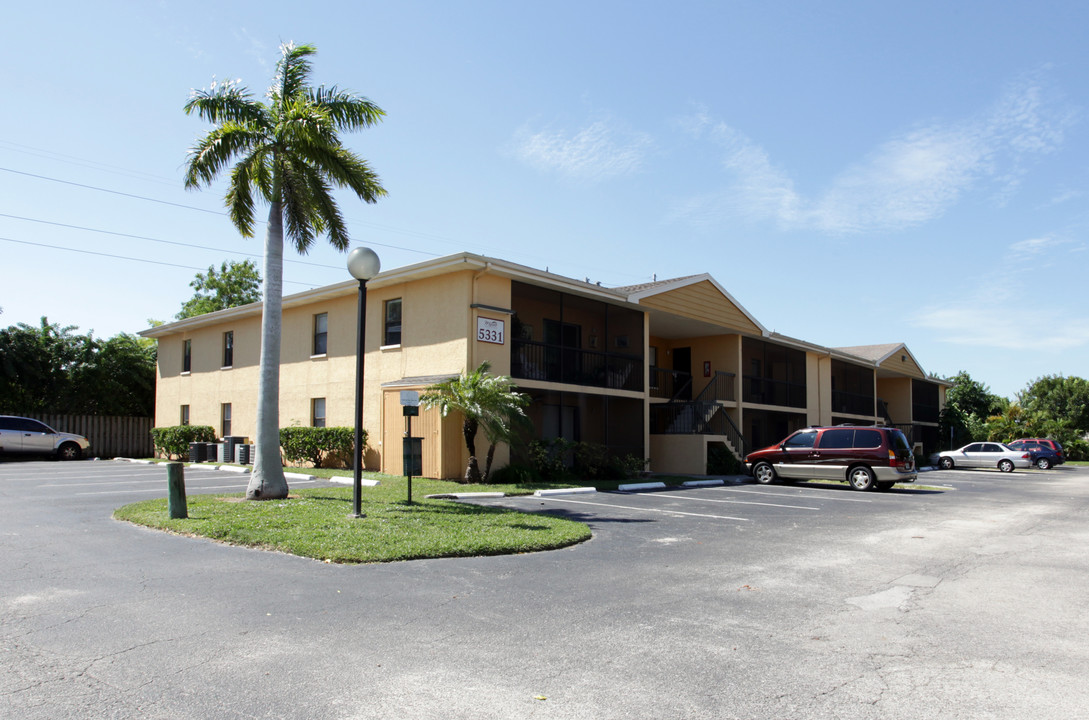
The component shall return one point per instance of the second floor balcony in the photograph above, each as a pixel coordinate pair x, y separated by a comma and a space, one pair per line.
532, 360
765, 391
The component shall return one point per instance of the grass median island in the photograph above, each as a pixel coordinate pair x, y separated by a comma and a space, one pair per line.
315, 523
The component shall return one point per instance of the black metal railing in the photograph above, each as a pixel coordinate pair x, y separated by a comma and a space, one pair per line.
883, 411
669, 384
696, 418
852, 403
720, 387
773, 392
555, 363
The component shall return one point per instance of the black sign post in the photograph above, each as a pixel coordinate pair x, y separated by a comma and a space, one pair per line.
412, 454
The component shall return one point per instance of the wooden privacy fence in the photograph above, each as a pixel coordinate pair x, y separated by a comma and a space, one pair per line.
109, 436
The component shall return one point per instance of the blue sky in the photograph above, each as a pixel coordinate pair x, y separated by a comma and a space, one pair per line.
852, 173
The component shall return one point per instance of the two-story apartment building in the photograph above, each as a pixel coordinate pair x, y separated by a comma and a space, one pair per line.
662, 370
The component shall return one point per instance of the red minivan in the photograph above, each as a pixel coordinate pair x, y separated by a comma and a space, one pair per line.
867, 457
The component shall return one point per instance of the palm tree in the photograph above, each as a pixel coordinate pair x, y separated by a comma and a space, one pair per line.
484, 400
286, 152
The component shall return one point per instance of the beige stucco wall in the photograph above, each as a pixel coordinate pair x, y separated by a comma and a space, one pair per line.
683, 454
897, 393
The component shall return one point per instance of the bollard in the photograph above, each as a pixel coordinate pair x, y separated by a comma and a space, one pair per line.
175, 480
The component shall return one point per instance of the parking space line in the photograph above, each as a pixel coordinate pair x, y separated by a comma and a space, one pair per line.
812, 497
733, 502
553, 498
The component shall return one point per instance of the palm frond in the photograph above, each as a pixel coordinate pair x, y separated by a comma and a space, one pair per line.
292, 71
216, 150
225, 102
348, 110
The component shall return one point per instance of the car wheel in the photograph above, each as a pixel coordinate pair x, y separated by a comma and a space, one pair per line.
1043, 464
946, 463
69, 451
764, 473
861, 478
1005, 465
886, 485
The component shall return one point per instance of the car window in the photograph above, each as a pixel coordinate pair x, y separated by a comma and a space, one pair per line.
838, 438
28, 425
801, 439
1017, 444
867, 439
7, 423
899, 441
1056, 445
991, 447
974, 447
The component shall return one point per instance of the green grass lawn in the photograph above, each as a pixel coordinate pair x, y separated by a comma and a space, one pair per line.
316, 523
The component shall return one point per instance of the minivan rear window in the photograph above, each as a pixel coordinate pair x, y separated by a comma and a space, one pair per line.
899, 441
867, 438
837, 439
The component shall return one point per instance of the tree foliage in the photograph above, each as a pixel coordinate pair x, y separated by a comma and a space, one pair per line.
484, 401
236, 283
286, 152
1059, 398
51, 368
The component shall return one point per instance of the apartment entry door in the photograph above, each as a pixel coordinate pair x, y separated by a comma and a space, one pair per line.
682, 372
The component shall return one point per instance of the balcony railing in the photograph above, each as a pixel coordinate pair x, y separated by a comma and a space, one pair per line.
852, 403
668, 384
773, 392
696, 418
540, 361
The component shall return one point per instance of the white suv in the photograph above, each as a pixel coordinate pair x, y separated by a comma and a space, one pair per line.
23, 435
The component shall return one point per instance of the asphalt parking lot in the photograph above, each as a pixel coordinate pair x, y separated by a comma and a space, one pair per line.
740, 601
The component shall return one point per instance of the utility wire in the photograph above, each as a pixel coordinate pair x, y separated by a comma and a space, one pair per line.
133, 259
165, 242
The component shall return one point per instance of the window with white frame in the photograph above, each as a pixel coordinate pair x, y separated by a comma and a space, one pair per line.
228, 349
392, 327
321, 334
317, 412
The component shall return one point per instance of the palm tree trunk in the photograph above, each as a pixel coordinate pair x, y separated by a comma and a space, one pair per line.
488, 463
468, 428
267, 481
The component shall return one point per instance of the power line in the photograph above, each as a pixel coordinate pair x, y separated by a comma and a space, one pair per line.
133, 259
157, 240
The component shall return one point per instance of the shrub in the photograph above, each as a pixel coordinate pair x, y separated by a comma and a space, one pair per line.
557, 460
315, 445
720, 461
174, 441
514, 474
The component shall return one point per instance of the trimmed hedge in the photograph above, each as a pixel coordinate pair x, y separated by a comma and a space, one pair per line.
174, 441
315, 445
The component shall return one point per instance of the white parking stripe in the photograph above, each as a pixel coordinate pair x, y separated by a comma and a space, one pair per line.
553, 498
733, 502
840, 491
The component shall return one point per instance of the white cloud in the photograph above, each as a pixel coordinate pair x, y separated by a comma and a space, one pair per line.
1035, 246
595, 153
908, 180
984, 325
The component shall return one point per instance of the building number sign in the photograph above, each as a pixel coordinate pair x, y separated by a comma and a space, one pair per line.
490, 331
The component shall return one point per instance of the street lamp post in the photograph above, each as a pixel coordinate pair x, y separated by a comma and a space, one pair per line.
363, 264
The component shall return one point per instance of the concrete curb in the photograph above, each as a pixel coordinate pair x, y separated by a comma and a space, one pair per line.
703, 483
636, 487
365, 482
565, 491
465, 496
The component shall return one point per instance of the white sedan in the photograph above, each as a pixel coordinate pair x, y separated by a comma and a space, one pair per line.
985, 455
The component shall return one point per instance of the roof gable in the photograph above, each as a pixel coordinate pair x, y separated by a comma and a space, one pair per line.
698, 297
